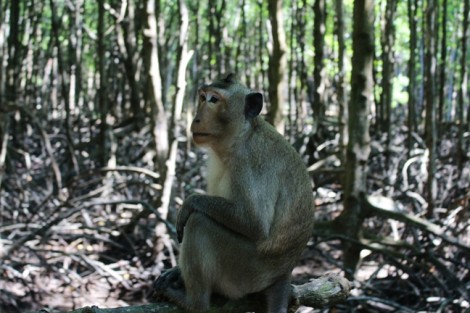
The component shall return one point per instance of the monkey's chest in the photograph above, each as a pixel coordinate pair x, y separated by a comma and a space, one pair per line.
218, 178
218, 184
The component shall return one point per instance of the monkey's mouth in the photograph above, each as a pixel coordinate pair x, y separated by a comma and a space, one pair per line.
199, 135
201, 138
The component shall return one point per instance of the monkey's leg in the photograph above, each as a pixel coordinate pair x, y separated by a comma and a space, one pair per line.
171, 285
277, 296
198, 263
216, 259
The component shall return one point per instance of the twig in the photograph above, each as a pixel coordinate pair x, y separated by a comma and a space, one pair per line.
384, 301
146, 206
47, 146
37, 232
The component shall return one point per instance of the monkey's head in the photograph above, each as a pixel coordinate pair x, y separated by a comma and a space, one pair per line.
225, 109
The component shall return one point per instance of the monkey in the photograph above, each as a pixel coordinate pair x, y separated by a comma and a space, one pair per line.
246, 234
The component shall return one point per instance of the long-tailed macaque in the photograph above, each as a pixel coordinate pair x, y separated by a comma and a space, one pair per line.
247, 233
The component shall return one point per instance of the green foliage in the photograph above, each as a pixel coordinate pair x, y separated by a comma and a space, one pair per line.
233, 36
400, 93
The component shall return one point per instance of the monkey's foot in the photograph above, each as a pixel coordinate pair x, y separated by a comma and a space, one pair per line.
170, 279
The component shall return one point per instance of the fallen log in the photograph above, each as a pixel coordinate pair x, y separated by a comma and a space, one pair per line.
326, 290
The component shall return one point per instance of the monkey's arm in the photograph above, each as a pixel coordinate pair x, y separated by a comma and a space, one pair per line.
224, 212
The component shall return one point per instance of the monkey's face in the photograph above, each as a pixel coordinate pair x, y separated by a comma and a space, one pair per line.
212, 118
225, 110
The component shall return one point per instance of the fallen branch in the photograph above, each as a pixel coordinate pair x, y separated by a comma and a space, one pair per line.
326, 290
385, 207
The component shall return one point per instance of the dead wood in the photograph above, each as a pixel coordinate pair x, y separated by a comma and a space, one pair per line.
326, 290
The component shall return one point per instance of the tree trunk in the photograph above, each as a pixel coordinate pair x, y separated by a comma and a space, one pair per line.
260, 82
463, 101
358, 149
14, 46
388, 60
219, 30
2, 51
56, 22
442, 65
183, 57
211, 30
318, 60
128, 47
301, 68
430, 100
75, 65
412, 8
154, 88
8, 124
241, 49
102, 91
74, 54
343, 109
277, 66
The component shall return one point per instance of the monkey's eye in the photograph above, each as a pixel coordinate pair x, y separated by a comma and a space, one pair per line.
202, 98
213, 99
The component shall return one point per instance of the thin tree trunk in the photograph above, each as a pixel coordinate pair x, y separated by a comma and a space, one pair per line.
211, 29
198, 53
301, 68
277, 66
261, 51
412, 8
13, 45
463, 101
74, 72
75, 53
2, 53
241, 43
12, 73
128, 49
342, 102
183, 57
388, 60
294, 25
442, 66
430, 99
218, 14
33, 35
358, 150
318, 60
102, 91
62, 77
154, 89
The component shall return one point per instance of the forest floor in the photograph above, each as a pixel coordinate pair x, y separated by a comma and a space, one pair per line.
84, 244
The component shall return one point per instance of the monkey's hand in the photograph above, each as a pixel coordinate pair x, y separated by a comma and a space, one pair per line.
170, 278
183, 216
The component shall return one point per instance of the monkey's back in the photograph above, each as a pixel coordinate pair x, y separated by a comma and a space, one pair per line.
290, 204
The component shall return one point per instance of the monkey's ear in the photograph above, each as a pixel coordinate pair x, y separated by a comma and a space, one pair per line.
253, 104
230, 78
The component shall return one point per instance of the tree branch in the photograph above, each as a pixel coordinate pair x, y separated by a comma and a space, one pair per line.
326, 290
385, 207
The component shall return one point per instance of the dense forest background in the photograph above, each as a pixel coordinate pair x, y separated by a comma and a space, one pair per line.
95, 102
